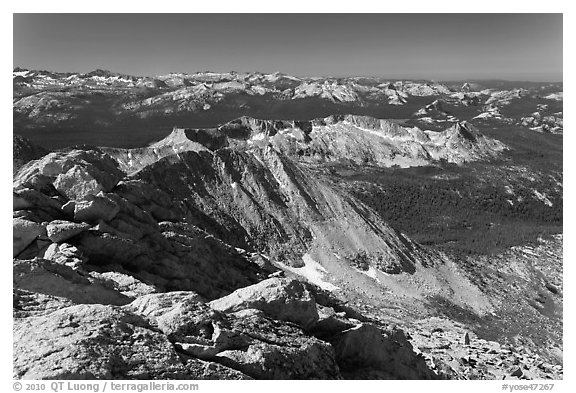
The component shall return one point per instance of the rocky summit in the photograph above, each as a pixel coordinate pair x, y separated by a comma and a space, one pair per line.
330, 246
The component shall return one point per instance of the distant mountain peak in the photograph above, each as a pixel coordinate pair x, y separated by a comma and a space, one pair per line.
100, 72
465, 130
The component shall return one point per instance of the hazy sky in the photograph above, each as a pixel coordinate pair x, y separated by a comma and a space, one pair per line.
428, 46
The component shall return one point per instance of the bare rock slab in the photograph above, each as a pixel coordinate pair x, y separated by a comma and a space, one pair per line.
61, 230
24, 232
245, 341
93, 208
64, 254
92, 342
280, 298
62, 282
201, 370
75, 174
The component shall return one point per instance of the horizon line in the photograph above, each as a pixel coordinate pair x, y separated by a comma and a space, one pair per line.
416, 78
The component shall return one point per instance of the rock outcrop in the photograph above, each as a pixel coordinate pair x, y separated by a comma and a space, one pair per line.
282, 299
74, 174
61, 230
365, 351
62, 284
92, 342
24, 232
245, 341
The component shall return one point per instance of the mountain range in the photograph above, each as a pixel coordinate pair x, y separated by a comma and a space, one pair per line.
73, 104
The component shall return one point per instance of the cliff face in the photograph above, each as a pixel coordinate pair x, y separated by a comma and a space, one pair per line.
262, 200
364, 140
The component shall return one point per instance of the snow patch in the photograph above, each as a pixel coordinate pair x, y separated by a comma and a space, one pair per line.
257, 157
371, 272
19, 73
483, 115
556, 96
542, 197
259, 137
314, 272
130, 158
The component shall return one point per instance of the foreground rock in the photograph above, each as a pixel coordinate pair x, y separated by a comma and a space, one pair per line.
245, 341
64, 254
175, 257
198, 369
61, 284
24, 232
60, 230
177, 314
280, 298
75, 174
282, 354
25, 198
93, 208
92, 342
365, 351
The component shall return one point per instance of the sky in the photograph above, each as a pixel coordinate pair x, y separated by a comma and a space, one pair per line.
417, 46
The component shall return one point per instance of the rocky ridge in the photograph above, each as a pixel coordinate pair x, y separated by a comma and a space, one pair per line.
353, 139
